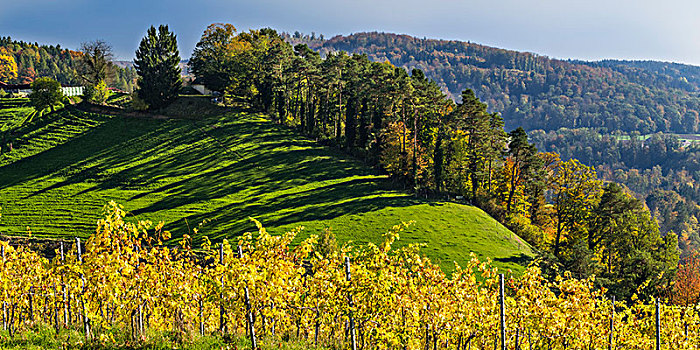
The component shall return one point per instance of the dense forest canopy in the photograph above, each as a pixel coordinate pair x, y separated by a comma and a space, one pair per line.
22, 63
537, 92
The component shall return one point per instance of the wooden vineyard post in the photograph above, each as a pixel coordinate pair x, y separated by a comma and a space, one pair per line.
353, 339
56, 308
317, 328
501, 301
4, 303
658, 325
31, 304
249, 310
201, 316
140, 307
86, 321
272, 327
12, 319
612, 324
222, 314
140, 319
63, 290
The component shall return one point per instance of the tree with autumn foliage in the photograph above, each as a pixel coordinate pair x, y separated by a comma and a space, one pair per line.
8, 66
216, 60
686, 287
575, 191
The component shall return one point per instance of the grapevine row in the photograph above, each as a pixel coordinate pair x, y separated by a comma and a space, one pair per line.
122, 279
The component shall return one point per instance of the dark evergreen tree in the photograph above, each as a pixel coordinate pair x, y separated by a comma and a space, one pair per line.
524, 156
157, 64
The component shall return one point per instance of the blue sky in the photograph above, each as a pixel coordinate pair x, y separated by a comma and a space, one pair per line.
581, 29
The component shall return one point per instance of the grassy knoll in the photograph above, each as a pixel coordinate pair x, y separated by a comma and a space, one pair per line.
221, 168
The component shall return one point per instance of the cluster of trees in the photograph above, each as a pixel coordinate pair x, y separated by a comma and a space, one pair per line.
659, 169
156, 64
536, 92
404, 124
665, 75
22, 63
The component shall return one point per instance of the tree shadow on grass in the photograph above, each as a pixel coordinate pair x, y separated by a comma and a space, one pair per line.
58, 158
233, 220
253, 166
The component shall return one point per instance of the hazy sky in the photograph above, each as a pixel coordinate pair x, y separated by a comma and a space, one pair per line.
583, 29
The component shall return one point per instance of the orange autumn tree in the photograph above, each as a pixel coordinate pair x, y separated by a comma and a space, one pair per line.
686, 289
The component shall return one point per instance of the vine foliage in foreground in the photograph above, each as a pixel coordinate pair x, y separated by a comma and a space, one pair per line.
129, 282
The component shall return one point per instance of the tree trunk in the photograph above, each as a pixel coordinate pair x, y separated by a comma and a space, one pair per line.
415, 147
513, 183
558, 238
337, 118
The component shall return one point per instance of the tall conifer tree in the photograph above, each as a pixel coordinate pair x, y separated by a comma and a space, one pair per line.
157, 64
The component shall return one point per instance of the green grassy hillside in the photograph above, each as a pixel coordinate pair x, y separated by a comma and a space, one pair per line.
221, 168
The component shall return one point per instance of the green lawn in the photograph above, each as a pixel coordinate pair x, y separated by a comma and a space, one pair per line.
13, 112
222, 168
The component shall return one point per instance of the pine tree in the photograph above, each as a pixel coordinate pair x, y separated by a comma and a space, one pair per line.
157, 64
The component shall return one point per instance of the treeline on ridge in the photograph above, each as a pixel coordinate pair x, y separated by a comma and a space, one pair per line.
537, 92
404, 124
22, 63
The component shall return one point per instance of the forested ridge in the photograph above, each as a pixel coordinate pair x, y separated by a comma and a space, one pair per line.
22, 63
537, 92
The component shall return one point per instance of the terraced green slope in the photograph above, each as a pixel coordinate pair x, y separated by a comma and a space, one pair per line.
222, 169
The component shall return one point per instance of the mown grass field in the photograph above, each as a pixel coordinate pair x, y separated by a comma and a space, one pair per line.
13, 112
222, 167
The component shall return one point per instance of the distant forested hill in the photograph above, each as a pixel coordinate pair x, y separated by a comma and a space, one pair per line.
660, 74
537, 92
22, 62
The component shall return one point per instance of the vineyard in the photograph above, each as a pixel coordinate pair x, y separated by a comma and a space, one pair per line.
124, 280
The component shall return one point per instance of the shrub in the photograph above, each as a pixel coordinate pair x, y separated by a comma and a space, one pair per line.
137, 103
96, 94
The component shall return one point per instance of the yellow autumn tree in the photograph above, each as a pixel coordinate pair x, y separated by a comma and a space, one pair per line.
8, 66
576, 190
